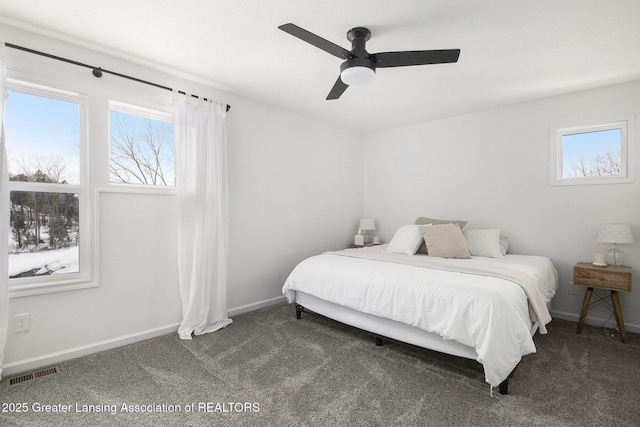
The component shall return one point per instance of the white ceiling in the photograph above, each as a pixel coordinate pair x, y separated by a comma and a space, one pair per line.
511, 50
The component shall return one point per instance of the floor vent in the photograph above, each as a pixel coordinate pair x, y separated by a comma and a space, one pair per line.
30, 376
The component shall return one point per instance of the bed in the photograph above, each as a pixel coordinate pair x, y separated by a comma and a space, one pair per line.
485, 308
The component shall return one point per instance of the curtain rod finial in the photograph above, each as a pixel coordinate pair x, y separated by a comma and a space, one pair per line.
97, 72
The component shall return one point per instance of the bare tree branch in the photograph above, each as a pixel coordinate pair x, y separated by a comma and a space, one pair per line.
141, 154
601, 164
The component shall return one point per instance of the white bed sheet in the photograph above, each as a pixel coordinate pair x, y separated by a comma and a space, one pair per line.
489, 314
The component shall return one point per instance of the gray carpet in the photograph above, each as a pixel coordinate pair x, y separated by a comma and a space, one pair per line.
317, 372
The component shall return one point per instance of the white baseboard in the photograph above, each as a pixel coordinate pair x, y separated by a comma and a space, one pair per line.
604, 323
72, 353
256, 305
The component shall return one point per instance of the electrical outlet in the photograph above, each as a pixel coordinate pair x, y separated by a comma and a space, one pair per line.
21, 322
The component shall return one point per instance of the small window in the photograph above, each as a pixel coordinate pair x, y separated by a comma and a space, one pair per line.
596, 154
141, 146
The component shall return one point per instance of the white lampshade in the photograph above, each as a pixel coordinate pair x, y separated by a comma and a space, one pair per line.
357, 76
615, 233
367, 224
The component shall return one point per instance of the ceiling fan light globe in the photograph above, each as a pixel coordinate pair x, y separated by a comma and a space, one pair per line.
355, 76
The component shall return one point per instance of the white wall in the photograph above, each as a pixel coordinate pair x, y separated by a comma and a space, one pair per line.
295, 190
491, 168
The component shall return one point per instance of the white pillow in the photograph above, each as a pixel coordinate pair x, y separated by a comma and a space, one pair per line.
483, 242
406, 240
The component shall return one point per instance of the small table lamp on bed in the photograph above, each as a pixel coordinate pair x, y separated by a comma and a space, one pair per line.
615, 233
366, 225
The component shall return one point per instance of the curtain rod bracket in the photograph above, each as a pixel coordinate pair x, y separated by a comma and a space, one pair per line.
97, 72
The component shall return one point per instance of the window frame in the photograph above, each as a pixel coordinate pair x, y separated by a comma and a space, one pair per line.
154, 112
85, 277
626, 125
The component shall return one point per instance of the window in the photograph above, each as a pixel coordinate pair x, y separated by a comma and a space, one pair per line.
594, 154
45, 232
141, 146
48, 238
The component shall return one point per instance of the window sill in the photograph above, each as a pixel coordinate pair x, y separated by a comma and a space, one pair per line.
138, 189
26, 290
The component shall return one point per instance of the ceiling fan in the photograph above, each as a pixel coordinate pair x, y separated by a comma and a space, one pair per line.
360, 66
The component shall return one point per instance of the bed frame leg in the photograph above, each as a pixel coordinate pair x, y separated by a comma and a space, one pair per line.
299, 310
504, 386
379, 341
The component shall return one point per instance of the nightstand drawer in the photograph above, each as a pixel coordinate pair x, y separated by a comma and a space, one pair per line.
611, 278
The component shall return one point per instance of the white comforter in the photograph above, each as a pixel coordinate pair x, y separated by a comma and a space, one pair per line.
490, 314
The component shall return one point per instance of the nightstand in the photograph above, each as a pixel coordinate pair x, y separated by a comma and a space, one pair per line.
609, 278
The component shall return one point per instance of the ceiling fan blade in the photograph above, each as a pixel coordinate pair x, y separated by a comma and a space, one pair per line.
316, 41
338, 89
415, 57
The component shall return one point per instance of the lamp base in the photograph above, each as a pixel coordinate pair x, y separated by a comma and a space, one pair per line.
615, 256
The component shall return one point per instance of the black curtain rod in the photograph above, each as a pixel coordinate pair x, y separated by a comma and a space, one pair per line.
97, 71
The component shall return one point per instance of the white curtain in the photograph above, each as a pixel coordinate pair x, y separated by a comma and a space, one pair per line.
201, 179
4, 218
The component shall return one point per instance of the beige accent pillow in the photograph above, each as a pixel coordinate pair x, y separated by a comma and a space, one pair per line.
445, 241
504, 244
423, 220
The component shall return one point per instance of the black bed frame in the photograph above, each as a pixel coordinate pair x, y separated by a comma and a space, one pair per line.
503, 387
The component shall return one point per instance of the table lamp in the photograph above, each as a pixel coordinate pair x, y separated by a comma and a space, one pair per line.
366, 225
616, 234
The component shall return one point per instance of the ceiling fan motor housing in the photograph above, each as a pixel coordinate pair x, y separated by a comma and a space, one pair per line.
358, 37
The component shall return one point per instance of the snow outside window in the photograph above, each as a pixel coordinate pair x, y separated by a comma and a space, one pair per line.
49, 239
